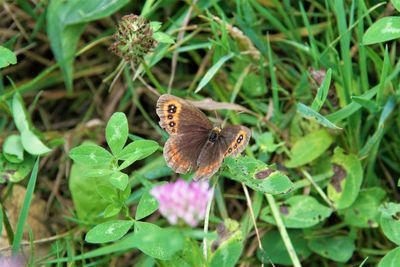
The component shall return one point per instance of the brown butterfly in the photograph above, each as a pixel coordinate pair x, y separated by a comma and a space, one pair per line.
195, 144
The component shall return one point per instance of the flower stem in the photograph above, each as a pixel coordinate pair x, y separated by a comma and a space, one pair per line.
206, 220
282, 231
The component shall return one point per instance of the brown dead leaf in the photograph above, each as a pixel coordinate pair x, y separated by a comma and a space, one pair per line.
209, 104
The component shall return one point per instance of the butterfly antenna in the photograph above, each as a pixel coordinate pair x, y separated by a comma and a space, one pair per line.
217, 117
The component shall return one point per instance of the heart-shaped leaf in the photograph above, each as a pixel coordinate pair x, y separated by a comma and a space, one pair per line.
108, 231
91, 155
117, 132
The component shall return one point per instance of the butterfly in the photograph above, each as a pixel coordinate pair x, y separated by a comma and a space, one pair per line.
195, 144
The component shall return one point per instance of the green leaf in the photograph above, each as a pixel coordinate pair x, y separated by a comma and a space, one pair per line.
136, 150
364, 212
322, 92
275, 250
108, 231
162, 37
97, 172
87, 199
13, 150
385, 29
228, 255
23, 214
117, 132
15, 172
32, 144
91, 155
147, 205
309, 113
157, 242
7, 57
265, 141
299, 211
391, 259
152, 240
366, 103
309, 148
191, 255
345, 184
390, 221
20, 115
256, 174
112, 209
212, 71
66, 21
155, 25
396, 4
337, 248
119, 180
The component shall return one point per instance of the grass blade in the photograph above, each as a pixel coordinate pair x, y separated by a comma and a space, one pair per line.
322, 92
23, 215
212, 71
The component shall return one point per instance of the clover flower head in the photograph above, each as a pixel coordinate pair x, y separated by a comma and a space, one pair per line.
182, 200
11, 261
133, 39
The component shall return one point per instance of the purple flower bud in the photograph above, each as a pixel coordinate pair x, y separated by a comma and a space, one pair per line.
183, 201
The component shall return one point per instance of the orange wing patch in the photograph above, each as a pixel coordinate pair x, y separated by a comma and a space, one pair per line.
168, 110
174, 158
207, 171
238, 143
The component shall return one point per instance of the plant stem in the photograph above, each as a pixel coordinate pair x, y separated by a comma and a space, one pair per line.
282, 231
206, 221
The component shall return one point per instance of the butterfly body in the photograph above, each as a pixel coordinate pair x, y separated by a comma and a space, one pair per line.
195, 144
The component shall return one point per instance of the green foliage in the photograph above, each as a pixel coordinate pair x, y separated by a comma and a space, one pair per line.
316, 82
87, 195
391, 259
66, 21
274, 249
7, 57
299, 212
390, 222
147, 205
345, 185
364, 212
247, 170
309, 148
383, 30
105, 191
108, 231
337, 248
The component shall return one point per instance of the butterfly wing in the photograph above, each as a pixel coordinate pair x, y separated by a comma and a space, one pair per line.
232, 141
178, 116
188, 128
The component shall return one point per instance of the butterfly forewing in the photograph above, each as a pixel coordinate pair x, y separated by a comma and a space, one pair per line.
178, 116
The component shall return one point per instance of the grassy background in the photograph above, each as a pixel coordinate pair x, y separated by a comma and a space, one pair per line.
269, 50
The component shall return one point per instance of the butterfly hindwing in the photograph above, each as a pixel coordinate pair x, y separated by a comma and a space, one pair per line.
231, 142
234, 139
181, 151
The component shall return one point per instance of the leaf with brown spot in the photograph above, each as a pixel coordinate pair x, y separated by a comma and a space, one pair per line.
346, 182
